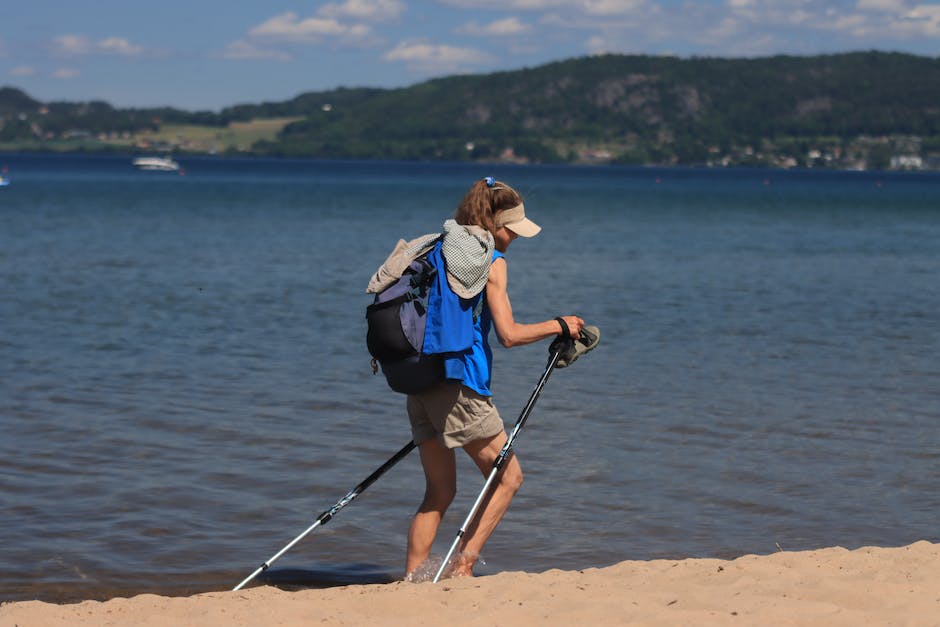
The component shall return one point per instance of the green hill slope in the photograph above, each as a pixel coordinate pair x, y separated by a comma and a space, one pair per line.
848, 110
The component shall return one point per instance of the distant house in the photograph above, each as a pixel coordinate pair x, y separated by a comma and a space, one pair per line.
907, 162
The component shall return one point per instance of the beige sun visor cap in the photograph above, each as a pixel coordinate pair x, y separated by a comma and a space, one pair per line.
514, 219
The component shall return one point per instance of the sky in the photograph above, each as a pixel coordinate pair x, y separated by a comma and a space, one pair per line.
209, 54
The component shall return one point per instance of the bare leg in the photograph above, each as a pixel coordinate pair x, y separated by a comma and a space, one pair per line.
440, 475
507, 483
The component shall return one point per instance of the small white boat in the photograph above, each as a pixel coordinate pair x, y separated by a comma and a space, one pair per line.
4, 182
164, 164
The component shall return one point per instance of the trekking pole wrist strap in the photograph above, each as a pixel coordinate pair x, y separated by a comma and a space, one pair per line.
565, 331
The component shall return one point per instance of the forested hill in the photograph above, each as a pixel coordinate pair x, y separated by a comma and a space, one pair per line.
865, 106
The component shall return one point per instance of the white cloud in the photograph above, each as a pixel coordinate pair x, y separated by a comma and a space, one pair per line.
611, 7
241, 50
499, 28
570, 7
80, 45
65, 73
119, 45
856, 25
371, 10
796, 26
341, 23
923, 19
872, 20
22, 70
511, 5
427, 57
73, 45
723, 27
290, 27
715, 27
883, 6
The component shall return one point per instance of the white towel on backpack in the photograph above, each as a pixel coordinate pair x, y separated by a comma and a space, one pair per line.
467, 251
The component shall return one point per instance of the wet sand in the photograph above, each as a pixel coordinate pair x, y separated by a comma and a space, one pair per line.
833, 586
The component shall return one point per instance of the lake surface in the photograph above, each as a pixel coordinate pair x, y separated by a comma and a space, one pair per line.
184, 383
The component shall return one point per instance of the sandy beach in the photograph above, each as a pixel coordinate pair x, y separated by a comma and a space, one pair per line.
833, 586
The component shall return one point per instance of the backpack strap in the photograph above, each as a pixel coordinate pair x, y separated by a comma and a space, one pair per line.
478, 307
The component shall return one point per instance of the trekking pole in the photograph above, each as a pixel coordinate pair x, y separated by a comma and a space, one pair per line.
328, 514
501, 458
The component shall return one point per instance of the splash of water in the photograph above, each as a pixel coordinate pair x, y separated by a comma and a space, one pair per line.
426, 571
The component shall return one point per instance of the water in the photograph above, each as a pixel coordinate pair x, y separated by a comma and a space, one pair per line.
184, 385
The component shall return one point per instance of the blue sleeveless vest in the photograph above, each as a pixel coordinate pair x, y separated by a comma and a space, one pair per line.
452, 332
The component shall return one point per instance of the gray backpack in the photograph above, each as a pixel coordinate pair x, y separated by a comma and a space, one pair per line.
395, 336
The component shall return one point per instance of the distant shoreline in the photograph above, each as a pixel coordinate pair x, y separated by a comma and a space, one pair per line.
6, 154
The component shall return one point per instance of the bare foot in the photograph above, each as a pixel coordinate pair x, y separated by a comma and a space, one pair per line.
462, 572
464, 565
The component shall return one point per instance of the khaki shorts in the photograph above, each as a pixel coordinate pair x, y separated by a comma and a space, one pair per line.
453, 413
